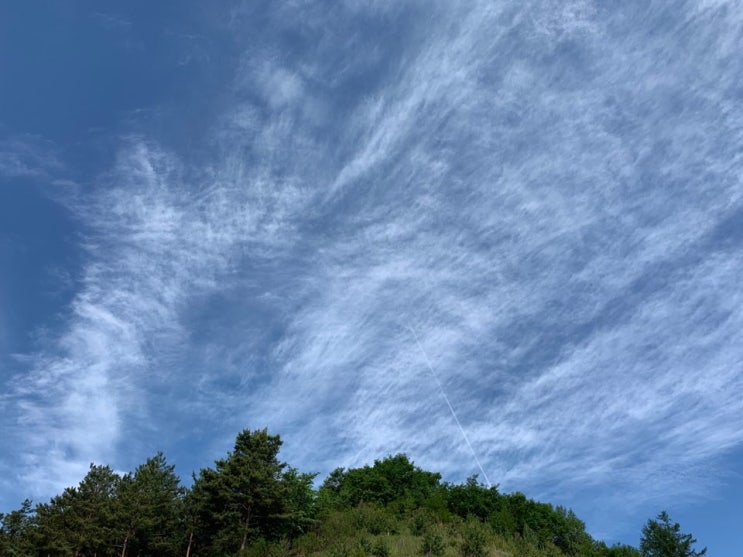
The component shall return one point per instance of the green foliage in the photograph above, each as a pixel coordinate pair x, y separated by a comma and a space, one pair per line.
433, 543
392, 480
348, 549
374, 520
663, 538
242, 497
250, 504
299, 503
420, 522
568, 532
83, 519
380, 548
150, 504
472, 499
338, 525
618, 550
366, 544
474, 540
340, 549
309, 543
16, 531
263, 548
258, 548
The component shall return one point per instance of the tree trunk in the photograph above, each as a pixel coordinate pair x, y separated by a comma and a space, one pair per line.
245, 532
123, 547
190, 541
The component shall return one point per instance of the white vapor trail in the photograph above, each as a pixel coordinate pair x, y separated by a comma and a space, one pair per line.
448, 403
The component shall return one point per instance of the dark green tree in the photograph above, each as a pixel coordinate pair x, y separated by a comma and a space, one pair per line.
474, 539
242, 496
433, 543
617, 550
299, 505
16, 531
663, 538
394, 479
82, 520
473, 499
568, 532
149, 509
54, 534
192, 514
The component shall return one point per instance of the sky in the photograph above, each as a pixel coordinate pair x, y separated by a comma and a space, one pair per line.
502, 237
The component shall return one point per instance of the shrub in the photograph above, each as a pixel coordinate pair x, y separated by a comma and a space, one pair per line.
421, 522
380, 548
373, 520
433, 543
474, 540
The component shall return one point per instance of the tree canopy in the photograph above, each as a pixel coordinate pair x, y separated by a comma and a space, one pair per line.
252, 504
663, 538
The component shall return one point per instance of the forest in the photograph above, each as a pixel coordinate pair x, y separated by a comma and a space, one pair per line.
251, 504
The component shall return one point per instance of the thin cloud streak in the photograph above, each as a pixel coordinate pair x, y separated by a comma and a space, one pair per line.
28, 156
451, 408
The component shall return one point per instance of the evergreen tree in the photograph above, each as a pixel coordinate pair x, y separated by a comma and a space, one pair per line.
299, 506
241, 497
663, 538
82, 520
149, 505
16, 531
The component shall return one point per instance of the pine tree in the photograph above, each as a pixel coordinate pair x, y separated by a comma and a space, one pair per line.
149, 505
241, 497
663, 538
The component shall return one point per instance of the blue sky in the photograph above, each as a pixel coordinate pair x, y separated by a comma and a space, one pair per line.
225, 215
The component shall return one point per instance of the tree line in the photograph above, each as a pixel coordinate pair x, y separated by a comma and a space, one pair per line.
252, 504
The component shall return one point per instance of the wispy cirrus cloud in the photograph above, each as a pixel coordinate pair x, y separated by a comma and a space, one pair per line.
547, 194
154, 244
24, 156
551, 235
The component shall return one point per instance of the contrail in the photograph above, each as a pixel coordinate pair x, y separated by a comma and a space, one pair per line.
448, 403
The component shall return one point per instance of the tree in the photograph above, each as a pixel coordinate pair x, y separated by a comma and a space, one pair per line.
394, 479
149, 505
298, 502
81, 521
663, 538
242, 496
474, 539
15, 531
569, 532
616, 550
473, 499
433, 543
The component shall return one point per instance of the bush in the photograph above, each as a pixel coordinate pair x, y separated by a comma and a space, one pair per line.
474, 540
339, 525
280, 548
365, 544
433, 544
373, 520
339, 550
259, 548
308, 543
380, 548
421, 522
